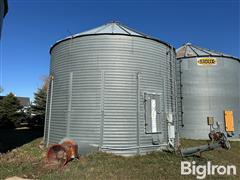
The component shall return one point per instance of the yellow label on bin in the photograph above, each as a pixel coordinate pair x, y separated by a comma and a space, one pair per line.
207, 61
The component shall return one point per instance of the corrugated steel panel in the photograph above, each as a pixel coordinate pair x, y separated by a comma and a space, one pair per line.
208, 90
99, 104
113, 27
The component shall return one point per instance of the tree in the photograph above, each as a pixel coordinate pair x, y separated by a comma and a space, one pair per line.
10, 111
46, 80
39, 105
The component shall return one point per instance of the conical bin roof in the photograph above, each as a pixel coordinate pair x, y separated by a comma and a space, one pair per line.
189, 50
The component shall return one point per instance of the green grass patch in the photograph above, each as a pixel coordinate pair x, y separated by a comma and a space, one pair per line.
28, 161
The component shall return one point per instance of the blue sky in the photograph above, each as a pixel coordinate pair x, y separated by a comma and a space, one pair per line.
32, 26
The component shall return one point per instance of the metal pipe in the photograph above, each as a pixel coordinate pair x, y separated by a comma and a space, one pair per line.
176, 115
138, 110
45, 118
199, 149
50, 110
180, 91
102, 107
69, 104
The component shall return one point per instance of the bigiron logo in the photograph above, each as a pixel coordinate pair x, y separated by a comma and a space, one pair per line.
201, 171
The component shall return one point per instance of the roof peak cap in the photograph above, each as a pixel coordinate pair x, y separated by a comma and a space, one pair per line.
114, 22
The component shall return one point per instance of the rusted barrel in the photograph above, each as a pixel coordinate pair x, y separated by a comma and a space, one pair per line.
61, 154
71, 148
57, 155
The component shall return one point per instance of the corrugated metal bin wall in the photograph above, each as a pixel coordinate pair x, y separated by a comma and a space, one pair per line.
98, 91
207, 91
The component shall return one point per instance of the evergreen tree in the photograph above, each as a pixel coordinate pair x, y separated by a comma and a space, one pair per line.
10, 111
39, 106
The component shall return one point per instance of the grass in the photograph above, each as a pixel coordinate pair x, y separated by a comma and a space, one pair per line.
28, 161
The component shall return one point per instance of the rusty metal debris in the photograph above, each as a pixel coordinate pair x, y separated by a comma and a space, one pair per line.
61, 154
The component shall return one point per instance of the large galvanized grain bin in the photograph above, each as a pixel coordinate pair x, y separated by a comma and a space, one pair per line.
114, 88
210, 87
3, 12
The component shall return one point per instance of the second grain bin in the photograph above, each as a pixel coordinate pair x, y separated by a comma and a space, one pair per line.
114, 88
210, 87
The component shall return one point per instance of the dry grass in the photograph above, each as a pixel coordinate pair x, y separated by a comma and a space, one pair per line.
28, 162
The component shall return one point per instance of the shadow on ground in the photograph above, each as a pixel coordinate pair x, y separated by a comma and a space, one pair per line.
12, 138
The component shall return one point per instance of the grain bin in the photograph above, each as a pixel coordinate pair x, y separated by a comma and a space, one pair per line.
114, 88
210, 87
3, 12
